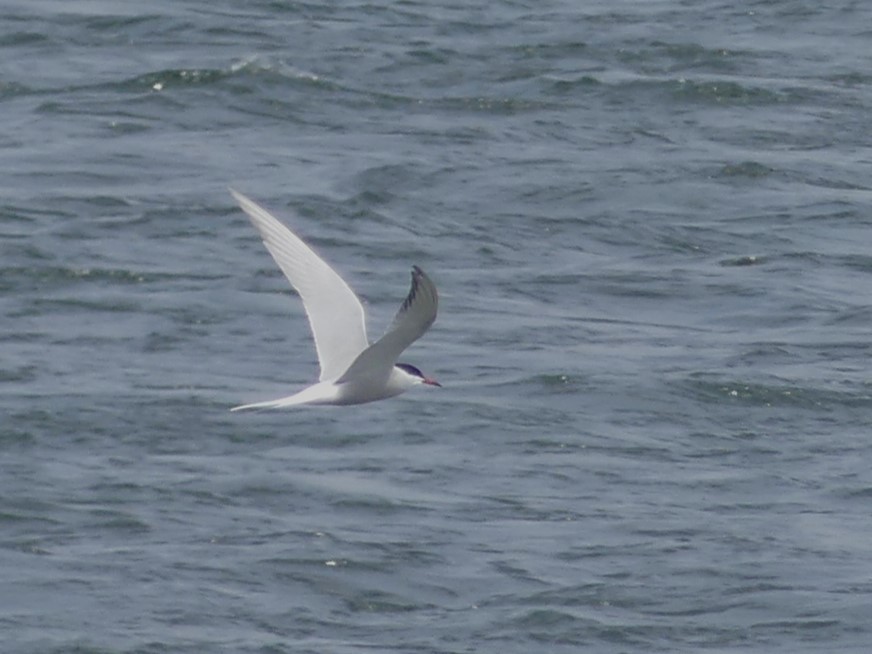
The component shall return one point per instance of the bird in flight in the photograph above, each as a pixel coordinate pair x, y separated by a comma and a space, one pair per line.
352, 370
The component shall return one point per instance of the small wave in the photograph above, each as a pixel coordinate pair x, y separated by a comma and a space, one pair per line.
779, 393
723, 92
750, 169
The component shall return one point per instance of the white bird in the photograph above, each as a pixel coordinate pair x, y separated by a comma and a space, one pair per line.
352, 370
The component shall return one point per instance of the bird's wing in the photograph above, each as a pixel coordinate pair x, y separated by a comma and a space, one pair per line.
335, 314
415, 316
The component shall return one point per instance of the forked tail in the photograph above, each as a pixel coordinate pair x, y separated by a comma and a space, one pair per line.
321, 393
269, 404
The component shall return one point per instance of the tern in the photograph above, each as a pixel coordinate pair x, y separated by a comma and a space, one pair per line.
352, 370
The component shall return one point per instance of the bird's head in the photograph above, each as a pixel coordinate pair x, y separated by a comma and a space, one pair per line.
416, 375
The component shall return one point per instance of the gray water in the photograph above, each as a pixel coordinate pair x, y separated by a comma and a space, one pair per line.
650, 226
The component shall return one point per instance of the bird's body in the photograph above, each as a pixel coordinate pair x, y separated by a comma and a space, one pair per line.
359, 391
352, 370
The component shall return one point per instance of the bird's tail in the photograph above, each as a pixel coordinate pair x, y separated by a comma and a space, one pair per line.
269, 404
321, 393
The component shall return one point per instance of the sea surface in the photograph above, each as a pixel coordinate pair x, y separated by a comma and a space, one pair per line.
651, 228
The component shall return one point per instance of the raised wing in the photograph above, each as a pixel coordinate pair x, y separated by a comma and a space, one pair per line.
335, 314
415, 316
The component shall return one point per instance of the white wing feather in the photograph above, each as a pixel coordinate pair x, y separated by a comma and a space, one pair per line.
415, 316
335, 314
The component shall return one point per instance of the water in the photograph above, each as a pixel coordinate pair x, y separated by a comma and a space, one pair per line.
649, 223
